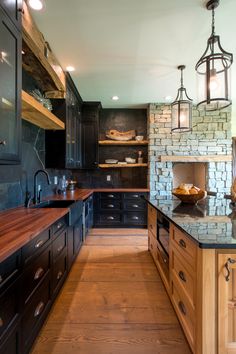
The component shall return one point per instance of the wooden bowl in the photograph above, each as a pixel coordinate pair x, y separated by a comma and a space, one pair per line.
190, 198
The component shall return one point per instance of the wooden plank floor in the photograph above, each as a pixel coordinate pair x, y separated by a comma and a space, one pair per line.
113, 302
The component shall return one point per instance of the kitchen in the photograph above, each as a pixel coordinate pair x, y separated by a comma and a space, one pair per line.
95, 253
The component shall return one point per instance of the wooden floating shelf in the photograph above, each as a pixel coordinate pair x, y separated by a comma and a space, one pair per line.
118, 165
34, 112
118, 142
203, 158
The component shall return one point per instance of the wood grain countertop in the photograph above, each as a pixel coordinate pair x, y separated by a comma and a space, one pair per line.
20, 225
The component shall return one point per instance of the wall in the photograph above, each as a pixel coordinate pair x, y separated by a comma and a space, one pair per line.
211, 135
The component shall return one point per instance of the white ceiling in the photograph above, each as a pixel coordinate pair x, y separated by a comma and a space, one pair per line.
131, 48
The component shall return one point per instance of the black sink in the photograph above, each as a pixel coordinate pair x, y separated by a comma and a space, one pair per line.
75, 208
54, 204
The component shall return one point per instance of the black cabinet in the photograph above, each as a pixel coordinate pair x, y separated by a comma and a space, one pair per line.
75, 240
88, 215
10, 90
13, 9
90, 134
127, 209
63, 148
11, 343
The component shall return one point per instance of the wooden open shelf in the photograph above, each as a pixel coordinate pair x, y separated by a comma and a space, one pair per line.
34, 112
117, 165
129, 142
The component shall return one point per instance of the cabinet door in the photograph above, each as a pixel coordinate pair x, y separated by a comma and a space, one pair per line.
10, 98
77, 137
227, 303
13, 9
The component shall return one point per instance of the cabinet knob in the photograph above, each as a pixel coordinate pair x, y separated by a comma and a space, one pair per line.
39, 309
135, 218
135, 195
182, 308
3, 142
111, 205
182, 243
39, 244
110, 218
59, 275
135, 206
59, 225
111, 196
182, 276
39, 273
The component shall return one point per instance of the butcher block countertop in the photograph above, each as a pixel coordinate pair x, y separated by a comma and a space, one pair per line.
20, 225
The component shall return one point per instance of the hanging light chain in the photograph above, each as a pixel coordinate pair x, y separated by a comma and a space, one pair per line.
213, 22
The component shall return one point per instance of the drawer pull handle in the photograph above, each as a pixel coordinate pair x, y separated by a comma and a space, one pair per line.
111, 196
39, 273
165, 260
59, 225
110, 218
1, 279
182, 308
182, 243
1, 322
59, 275
39, 244
227, 266
60, 248
111, 206
39, 309
135, 196
3, 142
135, 218
135, 206
182, 276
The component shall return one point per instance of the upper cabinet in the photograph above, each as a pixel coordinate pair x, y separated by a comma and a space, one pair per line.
14, 9
63, 148
10, 87
89, 134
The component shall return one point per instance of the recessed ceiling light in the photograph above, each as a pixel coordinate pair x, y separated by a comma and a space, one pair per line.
70, 68
36, 4
115, 98
168, 98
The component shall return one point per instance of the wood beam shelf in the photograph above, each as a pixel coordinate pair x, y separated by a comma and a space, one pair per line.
34, 112
129, 142
118, 165
203, 158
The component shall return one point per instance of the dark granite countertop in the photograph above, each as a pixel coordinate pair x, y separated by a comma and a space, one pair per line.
211, 223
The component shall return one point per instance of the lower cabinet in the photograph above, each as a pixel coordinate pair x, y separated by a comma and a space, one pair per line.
115, 209
30, 280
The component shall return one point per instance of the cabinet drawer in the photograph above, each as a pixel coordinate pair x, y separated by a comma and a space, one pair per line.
35, 246
59, 244
135, 218
184, 312
133, 195
110, 195
152, 220
135, 205
184, 245
35, 273
59, 272
35, 313
110, 205
183, 276
59, 225
108, 218
9, 308
11, 343
9, 269
152, 246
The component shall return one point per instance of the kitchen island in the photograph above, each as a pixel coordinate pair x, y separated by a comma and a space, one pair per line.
194, 248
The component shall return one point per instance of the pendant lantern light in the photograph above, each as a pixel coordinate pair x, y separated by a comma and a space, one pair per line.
181, 109
213, 71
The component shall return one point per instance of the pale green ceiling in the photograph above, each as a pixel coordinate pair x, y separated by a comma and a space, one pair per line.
131, 48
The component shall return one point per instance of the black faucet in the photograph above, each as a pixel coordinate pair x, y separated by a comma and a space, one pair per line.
37, 194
